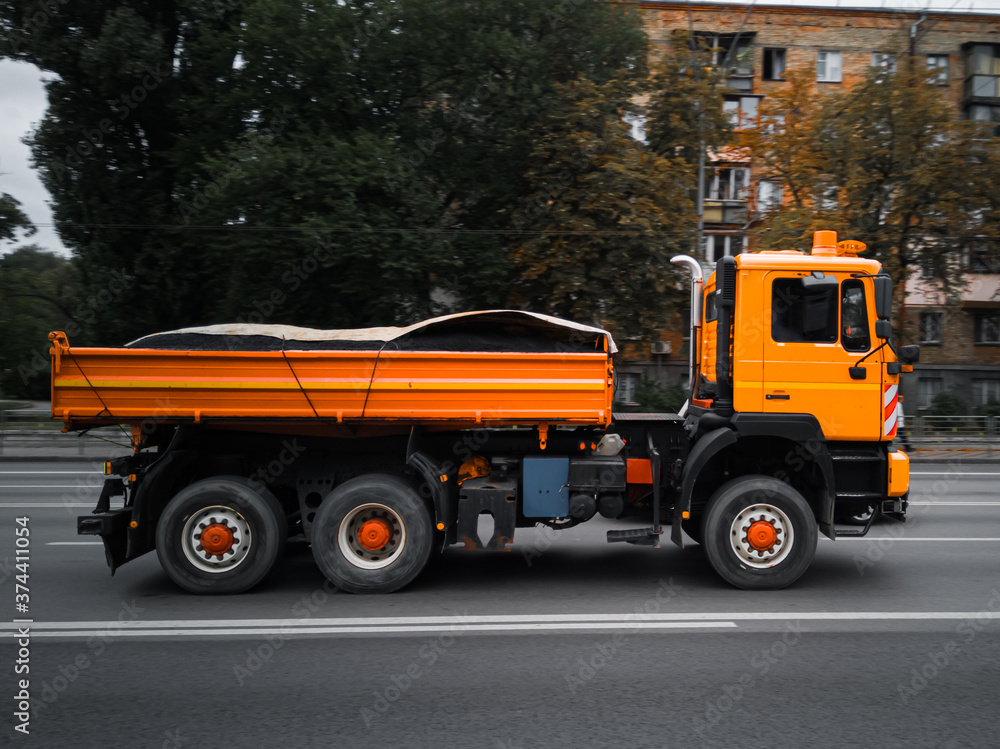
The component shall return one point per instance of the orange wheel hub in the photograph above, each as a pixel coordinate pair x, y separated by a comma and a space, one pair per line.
374, 534
217, 539
762, 535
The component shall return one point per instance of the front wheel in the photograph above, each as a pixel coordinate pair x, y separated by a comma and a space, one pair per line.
759, 533
220, 535
372, 534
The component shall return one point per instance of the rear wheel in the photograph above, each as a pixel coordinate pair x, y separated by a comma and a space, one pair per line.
759, 533
372, 534
220, 535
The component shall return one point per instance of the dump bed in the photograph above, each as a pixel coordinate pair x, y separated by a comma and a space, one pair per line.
484, 368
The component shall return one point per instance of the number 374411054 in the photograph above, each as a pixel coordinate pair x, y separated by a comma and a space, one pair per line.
22, 550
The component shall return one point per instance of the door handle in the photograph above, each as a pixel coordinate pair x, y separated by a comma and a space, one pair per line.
776, 397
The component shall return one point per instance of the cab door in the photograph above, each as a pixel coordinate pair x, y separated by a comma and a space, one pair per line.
818, 325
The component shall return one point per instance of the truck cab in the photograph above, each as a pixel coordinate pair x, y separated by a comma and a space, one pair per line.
796, 376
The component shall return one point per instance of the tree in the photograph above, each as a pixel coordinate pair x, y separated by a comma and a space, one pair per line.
886, 163
38, 294
604, 216
685, 103
13, 219
330, 163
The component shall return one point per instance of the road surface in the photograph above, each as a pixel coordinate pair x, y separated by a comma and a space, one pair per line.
565, 641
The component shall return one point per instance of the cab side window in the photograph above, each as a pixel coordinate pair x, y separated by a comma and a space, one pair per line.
804, 311
854, 316
711, 313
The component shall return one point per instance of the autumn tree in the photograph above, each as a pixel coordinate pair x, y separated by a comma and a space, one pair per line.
685, 111
886, 163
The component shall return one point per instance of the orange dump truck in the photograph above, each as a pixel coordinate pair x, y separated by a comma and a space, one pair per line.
383, 446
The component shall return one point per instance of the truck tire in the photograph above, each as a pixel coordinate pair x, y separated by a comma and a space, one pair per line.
759, 533
220, 535
372, 534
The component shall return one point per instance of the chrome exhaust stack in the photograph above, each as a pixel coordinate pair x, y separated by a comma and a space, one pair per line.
694, 345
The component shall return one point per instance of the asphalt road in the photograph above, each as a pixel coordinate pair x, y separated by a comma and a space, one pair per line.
565, 641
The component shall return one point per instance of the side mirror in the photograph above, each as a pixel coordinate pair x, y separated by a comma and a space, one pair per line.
908, 354
858, 373
883, 329
883, 298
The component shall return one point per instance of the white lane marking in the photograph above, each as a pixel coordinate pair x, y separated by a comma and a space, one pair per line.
32, 505
520, 627
954, 504
911, 538
950, 473
75, 543
392, 622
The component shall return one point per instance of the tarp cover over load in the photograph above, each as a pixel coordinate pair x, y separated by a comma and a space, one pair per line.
475, 368
494, 330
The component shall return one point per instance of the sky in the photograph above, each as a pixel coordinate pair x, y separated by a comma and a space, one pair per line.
23, 104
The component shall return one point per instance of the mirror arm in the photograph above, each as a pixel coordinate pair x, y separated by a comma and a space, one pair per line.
874, 351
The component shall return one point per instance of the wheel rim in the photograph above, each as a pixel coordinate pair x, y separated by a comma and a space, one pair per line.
372, 536
761, 535
863, 517
216, 539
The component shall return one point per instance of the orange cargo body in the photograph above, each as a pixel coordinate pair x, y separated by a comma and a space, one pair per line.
454, 388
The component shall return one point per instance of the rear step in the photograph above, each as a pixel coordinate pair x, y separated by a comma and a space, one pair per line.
638, 536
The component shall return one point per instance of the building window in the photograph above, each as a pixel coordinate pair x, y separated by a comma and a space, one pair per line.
985, 113
729, 183
884, 60
931, 327
982, 81
927, 389
987, 328
803, 314
723, 245
984, 391
938, 67
627, 384
829, 66
769, 195
982, 257
774, 64
735, 52
982, 71
742, 111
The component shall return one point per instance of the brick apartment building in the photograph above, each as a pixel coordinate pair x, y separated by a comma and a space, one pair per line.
961, 340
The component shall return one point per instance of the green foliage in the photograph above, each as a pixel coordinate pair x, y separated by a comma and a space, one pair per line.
37, 295
12, 218
989, 409
652, 398
609, 211
948, 404
324, 163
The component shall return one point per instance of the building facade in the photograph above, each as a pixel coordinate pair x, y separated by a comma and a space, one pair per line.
960, 335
